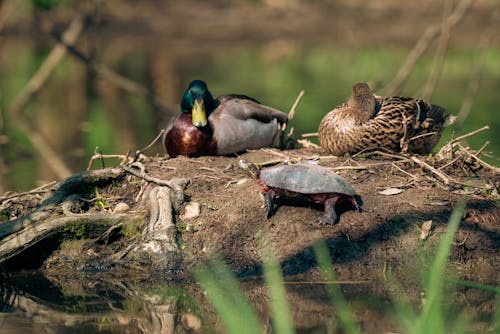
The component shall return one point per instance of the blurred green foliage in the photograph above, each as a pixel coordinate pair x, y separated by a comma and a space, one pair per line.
325, 73
48, 4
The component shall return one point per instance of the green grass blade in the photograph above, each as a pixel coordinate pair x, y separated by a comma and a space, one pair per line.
282, 319
404, 314
471, 284
228, 299
344, 312
432, 317
496, 317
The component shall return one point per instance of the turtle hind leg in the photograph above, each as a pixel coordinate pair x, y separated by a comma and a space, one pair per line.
269, 197
357, 203
330, 217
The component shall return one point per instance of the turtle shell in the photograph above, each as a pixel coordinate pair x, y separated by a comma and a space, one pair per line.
305, 179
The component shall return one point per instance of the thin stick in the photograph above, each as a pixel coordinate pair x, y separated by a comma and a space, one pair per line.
404, 172
440, 52
329, 157
152, 143
269, 163
139, 152
381, 153
31, 192
37, 190
349, 167
450, 163
267, 150
291, 114
306, 143
422, 135
482, 162
149, 178
107, 156
472, 133
478, 152
454, 140
367, 166
310, 134
422, 45
436, 172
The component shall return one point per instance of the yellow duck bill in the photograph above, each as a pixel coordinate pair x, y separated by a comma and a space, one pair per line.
198, 114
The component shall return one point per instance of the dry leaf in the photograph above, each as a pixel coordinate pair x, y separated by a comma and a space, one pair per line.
391, 191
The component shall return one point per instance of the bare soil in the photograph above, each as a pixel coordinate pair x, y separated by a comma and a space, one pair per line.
384, 237
382, 241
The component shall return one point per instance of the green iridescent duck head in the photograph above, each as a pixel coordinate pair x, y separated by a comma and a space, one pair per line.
199, 102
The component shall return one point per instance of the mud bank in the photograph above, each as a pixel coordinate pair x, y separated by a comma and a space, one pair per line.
169, 215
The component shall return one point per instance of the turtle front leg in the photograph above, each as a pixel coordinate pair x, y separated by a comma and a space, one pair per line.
269, 202
330, 216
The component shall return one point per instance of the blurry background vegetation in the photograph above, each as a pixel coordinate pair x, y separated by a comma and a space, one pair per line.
268, 49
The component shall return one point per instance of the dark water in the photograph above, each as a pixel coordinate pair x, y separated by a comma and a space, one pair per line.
32, 303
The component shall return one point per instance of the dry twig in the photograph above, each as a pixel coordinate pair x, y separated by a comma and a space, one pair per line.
139, 152
482, 162
404, 172
149, 178
307, 143
291, 114
96, 156
439, 174
449, 146
308, 135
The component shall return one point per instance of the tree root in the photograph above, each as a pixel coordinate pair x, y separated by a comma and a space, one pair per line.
61, 208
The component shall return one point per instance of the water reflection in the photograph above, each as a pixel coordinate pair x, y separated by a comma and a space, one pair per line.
32, 302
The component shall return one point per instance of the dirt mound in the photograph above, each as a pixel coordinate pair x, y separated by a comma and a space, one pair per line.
398, 197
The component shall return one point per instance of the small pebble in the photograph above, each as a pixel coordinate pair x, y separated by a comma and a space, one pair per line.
191, 321
121, 208
192, 210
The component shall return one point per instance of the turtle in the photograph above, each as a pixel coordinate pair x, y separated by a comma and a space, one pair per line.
307, 182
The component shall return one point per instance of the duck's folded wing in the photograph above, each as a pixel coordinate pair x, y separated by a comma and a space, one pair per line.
243, 107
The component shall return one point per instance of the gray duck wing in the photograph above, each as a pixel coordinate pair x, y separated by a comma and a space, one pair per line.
243, 107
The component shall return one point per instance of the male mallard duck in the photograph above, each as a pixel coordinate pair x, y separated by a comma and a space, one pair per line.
395, 123
229, 124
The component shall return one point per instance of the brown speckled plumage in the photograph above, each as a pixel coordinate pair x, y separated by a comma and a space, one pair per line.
364, 122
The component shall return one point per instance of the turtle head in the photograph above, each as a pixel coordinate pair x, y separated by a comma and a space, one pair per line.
199, 102
251, 169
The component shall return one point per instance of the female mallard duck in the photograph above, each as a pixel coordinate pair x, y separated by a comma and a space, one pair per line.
229, 124
394, 123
